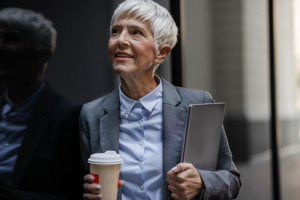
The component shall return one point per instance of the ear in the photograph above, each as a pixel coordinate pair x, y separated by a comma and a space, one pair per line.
162, 53
44, 55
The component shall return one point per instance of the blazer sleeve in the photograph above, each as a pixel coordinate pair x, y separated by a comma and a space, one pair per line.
225, 182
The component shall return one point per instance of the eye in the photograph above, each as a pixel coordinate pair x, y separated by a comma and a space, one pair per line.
114, 31
137, 32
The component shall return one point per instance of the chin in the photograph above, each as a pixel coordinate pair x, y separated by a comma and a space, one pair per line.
122, 70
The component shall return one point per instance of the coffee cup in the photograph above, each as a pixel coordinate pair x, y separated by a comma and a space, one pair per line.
105, 167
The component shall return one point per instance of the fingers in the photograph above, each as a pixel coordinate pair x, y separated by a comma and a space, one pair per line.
176, 197
91, 187
182, 167
121, 184
176, 193
87, 196
184, 181
179, 177
179, 168
172, 175
88, 178
183, 171
176, 184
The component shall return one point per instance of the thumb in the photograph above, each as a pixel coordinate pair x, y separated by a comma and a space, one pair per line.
180, 167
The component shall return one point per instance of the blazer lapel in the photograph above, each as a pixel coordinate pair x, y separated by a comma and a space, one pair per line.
35, 130
173, 129
109, 123
109, 126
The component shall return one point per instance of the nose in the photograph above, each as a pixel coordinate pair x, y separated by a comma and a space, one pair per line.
123, 39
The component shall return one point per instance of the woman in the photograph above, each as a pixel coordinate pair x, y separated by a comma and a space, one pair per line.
144, 118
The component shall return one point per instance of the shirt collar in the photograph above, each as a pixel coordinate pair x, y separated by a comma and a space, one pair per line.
149, 101
28, 102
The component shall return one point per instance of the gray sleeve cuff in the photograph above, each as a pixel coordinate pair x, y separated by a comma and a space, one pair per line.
200, 197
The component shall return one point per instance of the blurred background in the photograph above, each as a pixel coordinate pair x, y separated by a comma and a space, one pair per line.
224, 49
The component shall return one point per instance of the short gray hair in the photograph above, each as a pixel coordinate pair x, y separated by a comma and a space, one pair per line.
160, 21
34, 26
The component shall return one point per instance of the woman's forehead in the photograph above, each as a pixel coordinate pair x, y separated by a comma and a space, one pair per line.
132, 21
132, 15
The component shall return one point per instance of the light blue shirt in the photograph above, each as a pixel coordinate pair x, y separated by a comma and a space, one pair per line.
13, 124
141, 146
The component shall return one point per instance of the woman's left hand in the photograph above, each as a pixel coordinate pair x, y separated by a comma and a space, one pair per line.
185, 182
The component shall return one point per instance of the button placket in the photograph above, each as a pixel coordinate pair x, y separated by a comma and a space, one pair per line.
139, 121
142, 187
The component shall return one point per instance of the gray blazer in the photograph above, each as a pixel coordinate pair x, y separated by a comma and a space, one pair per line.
99, 131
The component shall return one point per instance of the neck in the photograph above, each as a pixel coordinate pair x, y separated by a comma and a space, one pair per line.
20, 91
137, 87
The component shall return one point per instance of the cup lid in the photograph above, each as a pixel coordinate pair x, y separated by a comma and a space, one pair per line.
109, 157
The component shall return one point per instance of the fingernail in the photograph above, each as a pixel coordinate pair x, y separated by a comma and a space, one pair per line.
98, 196
91, 178
97, 187
174, 169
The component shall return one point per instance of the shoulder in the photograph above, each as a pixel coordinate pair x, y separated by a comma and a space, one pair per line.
98, 103
96, 108
184, 95
194, 95
90, 106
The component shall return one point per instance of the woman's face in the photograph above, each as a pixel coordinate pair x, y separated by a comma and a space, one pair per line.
131, 48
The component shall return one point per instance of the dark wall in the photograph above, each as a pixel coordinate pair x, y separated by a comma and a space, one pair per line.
80, 67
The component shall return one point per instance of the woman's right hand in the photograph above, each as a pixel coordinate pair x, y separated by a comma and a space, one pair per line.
92, 190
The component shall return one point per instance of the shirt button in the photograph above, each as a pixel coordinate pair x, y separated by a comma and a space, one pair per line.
138, 104
142, 187
141, 164
141, 143
6, 145
140, 121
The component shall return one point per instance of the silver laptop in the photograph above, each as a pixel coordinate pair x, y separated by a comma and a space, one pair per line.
203, 134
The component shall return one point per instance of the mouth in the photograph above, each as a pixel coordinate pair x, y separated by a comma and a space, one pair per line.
122, 56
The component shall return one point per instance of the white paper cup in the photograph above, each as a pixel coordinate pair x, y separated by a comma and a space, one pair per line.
105, 167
